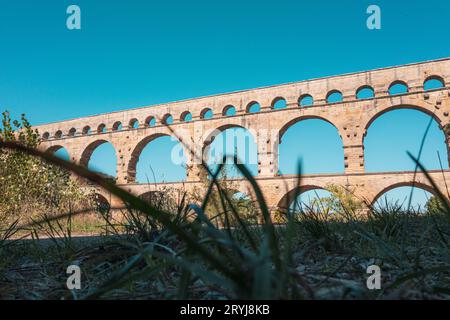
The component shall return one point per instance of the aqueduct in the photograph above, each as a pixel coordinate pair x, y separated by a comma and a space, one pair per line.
351, 116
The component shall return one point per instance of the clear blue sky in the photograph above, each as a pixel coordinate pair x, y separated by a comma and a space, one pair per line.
135, 53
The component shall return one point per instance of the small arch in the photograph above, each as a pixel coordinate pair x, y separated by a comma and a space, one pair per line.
398, 87
101, 128
186, 116
46, 136
229, 111
86, 130
305, 100
117, 126
253, 107
133, 124
58, 134
433, 82
279, 103
365, 92
206, 113
72, 132
167, 119
150, 121
334, 96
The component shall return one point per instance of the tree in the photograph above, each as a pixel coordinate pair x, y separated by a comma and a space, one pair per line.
434, 205
28, 185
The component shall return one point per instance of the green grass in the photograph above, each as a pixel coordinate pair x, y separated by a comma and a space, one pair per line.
183, 253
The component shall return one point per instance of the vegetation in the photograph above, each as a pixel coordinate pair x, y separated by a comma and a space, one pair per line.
31, 187
170, 246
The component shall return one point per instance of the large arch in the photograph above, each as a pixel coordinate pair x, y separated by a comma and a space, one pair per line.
415, 184
100, 202
137, 151
54, 148
210, 138
160, 200
423, 109
337, 151
59, 151
291, 122
286, 200
414, 108
90, 149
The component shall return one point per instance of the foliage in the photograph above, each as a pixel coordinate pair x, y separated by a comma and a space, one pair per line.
222, 201
434, 205
30, 186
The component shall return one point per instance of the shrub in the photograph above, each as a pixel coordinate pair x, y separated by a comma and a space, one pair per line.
30, 186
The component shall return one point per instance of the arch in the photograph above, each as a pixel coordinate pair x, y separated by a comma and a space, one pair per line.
46, 136
433, 82
365, 92
72, 132
334, 96
206, 113
279, 103
314, 140
58, 134
101, 203
408, 137
117, 126
240, 142
89, 150
59, 152
167, 119
229, 110
86, 130
253, 107
415, 184
101, 128
137, 151
286, 200
150, 121
151, 196
290, 123
186, 116
133, 124
398, 87
160, 200
54, 149
210, 138
402, 106
305, 100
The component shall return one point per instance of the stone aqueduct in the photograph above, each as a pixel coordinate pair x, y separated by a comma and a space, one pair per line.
352, 117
